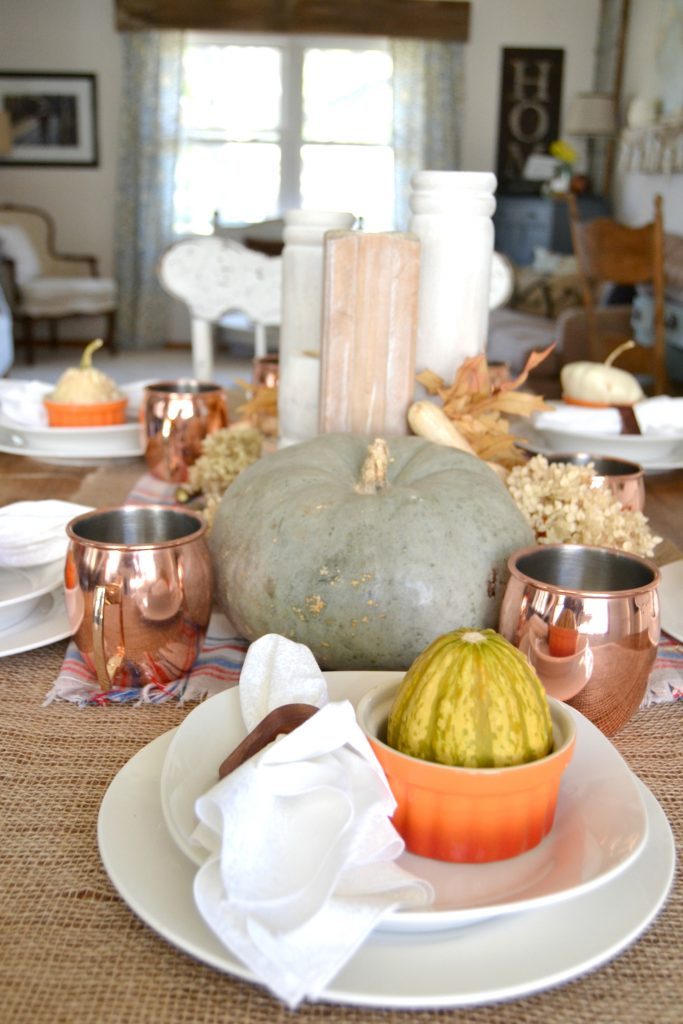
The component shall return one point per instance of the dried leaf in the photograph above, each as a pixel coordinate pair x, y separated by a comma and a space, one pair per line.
430, 381
479, 410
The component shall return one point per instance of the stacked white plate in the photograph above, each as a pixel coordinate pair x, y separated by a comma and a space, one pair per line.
34, 438
587, 891
32, 609
570, 431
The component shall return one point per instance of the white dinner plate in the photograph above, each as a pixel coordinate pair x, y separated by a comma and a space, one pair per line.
22, 587
120, 441
671, 599
600, 823
508, 957
47, 623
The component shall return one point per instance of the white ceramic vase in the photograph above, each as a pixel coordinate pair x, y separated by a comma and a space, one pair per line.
451, 215
301, 326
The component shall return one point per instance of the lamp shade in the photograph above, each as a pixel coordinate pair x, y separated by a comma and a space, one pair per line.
5, 133
592, 114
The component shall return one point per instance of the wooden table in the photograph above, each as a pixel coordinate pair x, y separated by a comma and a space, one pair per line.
72, 950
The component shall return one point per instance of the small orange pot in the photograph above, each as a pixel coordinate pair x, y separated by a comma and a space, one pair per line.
96, 414
468, 815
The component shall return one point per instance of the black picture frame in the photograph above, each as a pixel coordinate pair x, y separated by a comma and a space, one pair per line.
53, 117
529, 120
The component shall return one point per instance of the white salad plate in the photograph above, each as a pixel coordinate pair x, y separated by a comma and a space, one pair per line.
671, 599
600, 823
47, 623
22, 588
508, 957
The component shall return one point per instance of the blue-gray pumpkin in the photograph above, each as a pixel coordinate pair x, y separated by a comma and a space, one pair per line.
364, 551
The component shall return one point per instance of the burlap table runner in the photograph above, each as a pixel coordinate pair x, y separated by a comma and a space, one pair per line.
72, 950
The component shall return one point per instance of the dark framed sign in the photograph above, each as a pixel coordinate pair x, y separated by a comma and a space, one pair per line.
530, 98
53, 118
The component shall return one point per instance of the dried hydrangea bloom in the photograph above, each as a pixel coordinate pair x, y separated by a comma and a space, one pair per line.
564, 504
225, 453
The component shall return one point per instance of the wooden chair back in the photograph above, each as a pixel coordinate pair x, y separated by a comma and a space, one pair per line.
213, 276
608, 252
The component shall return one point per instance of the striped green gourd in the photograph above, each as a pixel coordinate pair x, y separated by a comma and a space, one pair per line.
471, 699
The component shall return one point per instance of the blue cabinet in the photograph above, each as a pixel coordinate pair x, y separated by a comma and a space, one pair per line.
522, 223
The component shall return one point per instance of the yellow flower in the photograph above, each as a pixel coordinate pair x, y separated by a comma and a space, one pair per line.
563, 152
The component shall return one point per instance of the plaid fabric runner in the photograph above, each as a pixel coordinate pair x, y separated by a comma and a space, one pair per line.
220, 661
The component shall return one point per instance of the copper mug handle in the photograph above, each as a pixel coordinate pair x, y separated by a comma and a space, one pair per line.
104, 594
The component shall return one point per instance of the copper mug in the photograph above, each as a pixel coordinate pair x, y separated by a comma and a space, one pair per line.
176, 417
138, 584
626, 480
587, 619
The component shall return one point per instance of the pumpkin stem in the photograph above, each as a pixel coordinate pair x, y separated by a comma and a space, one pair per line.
86, 358
373, 475
473, 636
624, 347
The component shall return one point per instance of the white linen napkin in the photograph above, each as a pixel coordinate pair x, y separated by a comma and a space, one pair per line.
302, 848
22, 401
33, 532
661, 415
579, 419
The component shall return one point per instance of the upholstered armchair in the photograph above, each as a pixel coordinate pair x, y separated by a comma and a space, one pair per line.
43, 284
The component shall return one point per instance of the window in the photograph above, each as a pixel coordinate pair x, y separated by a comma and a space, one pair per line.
284, 124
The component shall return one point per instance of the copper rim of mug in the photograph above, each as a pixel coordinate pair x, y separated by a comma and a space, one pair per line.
614, 553
129, 509
622, 468
183, 386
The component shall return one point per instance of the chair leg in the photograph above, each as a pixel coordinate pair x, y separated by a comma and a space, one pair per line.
110, 333
202, 348
260, 341
54, 334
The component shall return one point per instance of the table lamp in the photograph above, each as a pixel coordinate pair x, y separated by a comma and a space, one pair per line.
592, 115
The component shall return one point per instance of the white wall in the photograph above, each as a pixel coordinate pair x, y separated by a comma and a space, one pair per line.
496, 24
643, 76
78, 36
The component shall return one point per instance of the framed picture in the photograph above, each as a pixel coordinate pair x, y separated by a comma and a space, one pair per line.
53, 118
530, 95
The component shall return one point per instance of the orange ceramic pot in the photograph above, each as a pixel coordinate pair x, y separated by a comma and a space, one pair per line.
468, 815
96, 414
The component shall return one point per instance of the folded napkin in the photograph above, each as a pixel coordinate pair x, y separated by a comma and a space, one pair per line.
34, 532
22, 401
579, 419
661, 415
302, 851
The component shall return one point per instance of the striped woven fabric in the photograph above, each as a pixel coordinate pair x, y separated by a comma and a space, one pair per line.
218, 667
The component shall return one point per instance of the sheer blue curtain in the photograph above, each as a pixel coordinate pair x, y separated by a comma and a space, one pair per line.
428, 109
152, 69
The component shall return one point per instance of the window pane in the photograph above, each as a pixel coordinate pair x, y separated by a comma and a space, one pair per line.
234, 91
240, 180
347, 96
359, 179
